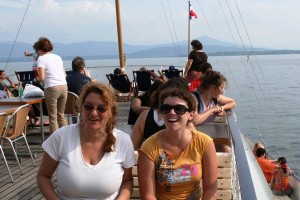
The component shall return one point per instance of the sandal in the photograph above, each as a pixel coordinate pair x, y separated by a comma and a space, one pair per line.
37, 123
46, 123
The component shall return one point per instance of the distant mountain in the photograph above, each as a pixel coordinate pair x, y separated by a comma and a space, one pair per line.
102, 50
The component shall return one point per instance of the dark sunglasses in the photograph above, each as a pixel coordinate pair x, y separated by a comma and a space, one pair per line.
89, 107
178, 109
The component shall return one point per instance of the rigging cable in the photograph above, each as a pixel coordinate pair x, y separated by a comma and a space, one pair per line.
227, 64
171, 34
250, 64
178, 46
231, 71
17, 35
274, 110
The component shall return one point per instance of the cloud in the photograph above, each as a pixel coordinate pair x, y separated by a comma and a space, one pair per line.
267, 23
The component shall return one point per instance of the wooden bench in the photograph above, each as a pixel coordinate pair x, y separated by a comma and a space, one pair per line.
281, 197
224, 178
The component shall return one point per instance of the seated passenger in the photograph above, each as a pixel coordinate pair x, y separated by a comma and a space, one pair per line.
210, 98
118, 70
150, 121
5, 94
78, 77
139, 104
266, 165
280, 180
173, 161
92, 159
6, 81
195, 74
256, 146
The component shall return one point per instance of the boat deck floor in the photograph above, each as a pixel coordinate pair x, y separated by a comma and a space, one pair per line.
24, 186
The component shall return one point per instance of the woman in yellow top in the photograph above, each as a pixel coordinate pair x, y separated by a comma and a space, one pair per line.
173, 161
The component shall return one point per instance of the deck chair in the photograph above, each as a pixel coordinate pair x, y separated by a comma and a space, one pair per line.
121, 84
172, 73
25, 76
3, 119
15, 131
72, 106
142, 78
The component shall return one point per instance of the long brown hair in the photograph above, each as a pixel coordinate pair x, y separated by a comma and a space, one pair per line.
282, 161
108, 97
211, 78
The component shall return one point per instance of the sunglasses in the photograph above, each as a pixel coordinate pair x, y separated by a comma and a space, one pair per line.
89, 108
178, 109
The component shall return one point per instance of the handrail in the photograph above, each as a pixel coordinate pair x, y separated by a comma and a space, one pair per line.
246, 182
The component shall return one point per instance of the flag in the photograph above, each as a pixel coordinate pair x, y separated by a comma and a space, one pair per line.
192, 13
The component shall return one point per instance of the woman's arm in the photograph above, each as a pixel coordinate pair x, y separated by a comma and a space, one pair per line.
226, 103
138, 130
12, 85
41, 72
188, 66
209, 173
146, 171
137, 107
127, 185
44, 175
272, 180
199, 118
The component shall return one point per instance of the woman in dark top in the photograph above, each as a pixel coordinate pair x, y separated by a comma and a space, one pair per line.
141, 103
150, 122
196, 57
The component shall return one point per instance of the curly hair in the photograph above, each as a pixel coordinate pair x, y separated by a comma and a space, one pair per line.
282, 161
108, 97
197, 44
43, 44
211, 78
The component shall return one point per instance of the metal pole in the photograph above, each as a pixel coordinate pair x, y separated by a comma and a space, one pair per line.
189, 17
120, 42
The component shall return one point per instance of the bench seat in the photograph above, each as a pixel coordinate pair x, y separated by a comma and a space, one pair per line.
224, 178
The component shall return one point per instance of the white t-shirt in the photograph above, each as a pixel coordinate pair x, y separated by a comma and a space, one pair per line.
78, 180
54, 69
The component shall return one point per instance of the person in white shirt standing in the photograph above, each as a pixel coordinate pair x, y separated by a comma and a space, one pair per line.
52, 72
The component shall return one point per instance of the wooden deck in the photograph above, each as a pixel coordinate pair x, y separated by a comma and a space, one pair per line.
24, 186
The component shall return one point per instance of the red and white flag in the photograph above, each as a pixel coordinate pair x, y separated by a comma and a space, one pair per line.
192, 13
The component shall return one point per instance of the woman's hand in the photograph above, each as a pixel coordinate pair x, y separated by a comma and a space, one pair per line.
216, 110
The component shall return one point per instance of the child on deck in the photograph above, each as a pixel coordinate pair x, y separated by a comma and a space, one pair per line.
280, 179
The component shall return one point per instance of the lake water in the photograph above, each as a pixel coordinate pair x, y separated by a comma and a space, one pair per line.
266, 89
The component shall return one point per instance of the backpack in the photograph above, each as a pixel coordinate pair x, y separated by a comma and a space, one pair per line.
200, 106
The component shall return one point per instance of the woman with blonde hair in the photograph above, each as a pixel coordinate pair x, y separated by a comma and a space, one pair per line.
92, 159
256, 146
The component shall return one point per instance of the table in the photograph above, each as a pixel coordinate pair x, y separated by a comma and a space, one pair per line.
8, 109
9, 104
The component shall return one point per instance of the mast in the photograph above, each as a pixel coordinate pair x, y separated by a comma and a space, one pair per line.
120, 41
189, 25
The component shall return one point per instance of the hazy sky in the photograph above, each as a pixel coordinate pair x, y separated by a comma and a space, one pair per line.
268, 23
